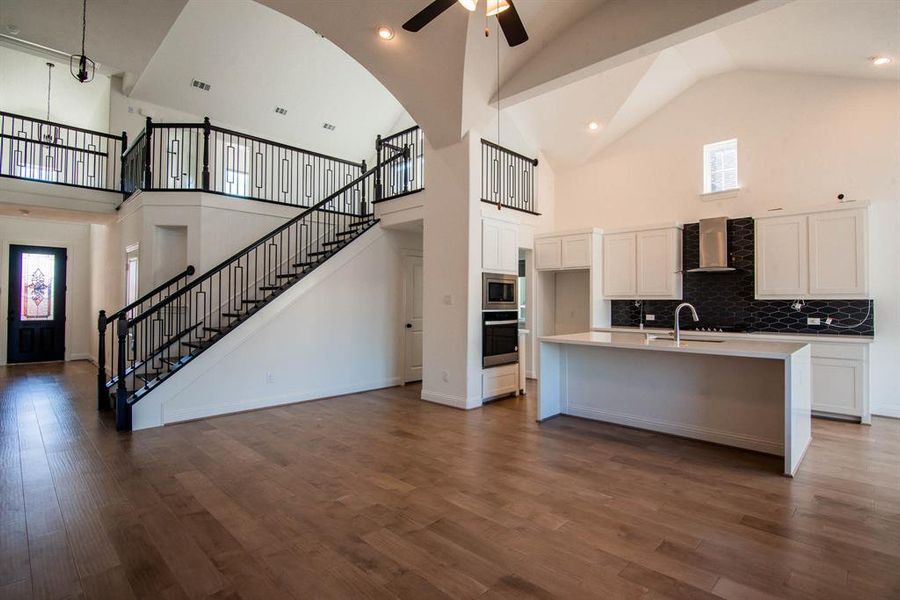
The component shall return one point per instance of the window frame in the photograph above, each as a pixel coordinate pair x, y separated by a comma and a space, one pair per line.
708, 149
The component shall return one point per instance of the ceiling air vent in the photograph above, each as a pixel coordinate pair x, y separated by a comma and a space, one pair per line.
200, 85
328, 126
280, 111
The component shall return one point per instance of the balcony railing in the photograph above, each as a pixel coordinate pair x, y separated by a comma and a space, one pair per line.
508, 178
407, 174
55, 153
205, 157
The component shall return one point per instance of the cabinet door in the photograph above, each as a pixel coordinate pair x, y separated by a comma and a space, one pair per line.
619, 270
837, 254
509, 248
576, 251
658, 264
782, 257
490, 245
837, 386
547, 254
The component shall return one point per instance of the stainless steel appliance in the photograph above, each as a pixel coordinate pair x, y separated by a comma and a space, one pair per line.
498, 292
499, 337
713, 246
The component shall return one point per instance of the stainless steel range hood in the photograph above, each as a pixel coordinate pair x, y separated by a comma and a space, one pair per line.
713, 246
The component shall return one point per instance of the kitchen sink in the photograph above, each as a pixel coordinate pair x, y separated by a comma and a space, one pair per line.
671, 338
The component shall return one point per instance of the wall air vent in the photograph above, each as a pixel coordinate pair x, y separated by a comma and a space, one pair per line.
281, 111
200, 85
328, 126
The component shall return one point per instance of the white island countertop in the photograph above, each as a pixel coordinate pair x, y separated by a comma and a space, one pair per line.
639, 340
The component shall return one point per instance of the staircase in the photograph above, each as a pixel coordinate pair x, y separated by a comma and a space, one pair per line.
165, 330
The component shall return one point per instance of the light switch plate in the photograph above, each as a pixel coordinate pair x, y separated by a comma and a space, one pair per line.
813, 321
649, 317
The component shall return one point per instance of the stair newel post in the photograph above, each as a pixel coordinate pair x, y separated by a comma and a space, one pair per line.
363, 209
378, 189
148, 154
406, 169
123, 409
102, 395
206, 132
122, 164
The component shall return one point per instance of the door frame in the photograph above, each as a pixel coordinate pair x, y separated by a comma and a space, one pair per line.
71, 262
405, 255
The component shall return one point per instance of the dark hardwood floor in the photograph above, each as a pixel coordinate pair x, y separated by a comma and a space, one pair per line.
380, 495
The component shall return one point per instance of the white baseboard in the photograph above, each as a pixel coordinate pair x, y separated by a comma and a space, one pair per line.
210, 410
887, 411
451, 400
680, 429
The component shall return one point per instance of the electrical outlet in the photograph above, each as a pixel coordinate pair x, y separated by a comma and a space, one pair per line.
445, 376
270, 378
649, 317
813, 321
448, 300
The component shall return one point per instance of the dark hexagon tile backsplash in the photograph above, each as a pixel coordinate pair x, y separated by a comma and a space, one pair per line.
726, 299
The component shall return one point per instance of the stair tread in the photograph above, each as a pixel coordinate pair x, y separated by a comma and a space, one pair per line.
287, 275
214, 329
232, 315
320, 253
268, 288
252, 300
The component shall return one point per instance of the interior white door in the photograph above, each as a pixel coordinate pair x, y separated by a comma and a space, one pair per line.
413, 309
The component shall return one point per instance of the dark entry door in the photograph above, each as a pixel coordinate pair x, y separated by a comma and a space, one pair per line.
37, 304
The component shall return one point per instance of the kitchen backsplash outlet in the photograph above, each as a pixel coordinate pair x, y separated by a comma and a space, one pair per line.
726, 300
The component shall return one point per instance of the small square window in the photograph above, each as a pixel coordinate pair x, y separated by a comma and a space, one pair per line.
720, 167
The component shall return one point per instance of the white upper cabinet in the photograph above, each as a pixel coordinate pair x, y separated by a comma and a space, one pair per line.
816, 256
642, 264
576, 251
499, 246
558, 252
837, 254
659, 263
782, 257
548, 254
619, 266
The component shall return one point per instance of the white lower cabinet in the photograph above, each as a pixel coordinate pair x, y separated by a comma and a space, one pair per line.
499, 381
840, 379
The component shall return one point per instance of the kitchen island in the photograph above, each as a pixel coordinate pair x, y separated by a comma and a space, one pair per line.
749, 394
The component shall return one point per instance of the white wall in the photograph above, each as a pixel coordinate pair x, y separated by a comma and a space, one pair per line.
23, 90
338, 331
802, 140
75, 237
130, 114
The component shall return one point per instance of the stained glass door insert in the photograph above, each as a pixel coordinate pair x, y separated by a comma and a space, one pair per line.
37, 287
37, 304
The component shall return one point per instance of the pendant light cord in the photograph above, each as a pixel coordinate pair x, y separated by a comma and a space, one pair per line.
497, 35
83, 26
49, 81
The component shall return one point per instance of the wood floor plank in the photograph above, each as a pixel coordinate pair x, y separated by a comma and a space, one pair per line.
380, 495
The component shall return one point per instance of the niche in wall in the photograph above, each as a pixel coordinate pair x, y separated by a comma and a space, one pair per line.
169, 252
572, 311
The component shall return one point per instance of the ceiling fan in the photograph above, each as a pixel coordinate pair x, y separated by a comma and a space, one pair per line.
504, 10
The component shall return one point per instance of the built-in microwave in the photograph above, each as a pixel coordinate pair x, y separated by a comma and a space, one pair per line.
499, 292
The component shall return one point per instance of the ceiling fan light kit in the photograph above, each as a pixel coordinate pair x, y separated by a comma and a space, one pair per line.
504, 10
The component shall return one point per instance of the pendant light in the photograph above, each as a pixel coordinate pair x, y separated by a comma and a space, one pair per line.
80, 65
495, 7
469, 4
48, 137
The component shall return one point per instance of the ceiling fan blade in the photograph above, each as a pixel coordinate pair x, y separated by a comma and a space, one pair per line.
512, 26
428, 14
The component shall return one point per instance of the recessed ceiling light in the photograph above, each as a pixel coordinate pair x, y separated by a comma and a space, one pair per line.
880, 61
386, 33
593, 125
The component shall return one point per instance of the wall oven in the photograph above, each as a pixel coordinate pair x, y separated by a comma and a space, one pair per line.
499, 292
499, 338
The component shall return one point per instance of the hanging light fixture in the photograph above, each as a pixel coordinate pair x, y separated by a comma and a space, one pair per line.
495, 7
469, 4
80, 65
48, 137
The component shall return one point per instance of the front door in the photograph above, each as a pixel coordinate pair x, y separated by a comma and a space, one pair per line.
413, 305
37, 304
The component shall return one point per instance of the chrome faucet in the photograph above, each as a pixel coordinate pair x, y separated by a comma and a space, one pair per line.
678, 324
